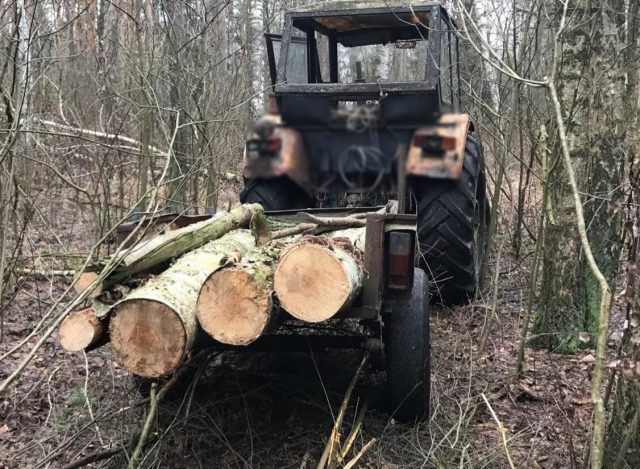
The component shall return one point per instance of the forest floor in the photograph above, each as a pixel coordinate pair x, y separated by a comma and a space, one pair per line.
276, 410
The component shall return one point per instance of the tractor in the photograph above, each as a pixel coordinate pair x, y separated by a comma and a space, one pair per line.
364, 112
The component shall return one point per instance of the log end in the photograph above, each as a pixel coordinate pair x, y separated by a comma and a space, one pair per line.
84, 280
234, 307
311, 283
148, 337
79, 330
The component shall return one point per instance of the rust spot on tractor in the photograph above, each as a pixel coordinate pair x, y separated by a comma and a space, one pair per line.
451, 130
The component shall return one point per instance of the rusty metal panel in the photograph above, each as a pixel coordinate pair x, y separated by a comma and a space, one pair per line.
453, 128
359, 22
291, 161
373, 264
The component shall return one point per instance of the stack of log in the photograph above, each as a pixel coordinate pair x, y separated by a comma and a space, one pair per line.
230, 277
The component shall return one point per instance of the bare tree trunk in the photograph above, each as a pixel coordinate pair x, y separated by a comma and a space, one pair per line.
624, 428
570, 300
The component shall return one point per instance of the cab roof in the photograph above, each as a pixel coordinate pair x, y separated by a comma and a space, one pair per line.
356, 23
338, 6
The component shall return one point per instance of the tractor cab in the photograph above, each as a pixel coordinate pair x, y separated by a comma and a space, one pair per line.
396, 57
361, 98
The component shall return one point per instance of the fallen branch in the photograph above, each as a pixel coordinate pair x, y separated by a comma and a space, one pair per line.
302, 228
501, 429
154, 401
357, 426
94, 457
103, 135
330, 455
44, 274
341, 222
357, 457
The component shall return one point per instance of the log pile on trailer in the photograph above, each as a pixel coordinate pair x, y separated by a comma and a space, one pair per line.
232, 278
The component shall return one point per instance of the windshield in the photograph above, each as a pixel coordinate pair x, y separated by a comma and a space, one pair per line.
382, 63
371, 48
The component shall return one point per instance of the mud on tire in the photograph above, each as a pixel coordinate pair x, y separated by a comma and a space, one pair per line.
452, 223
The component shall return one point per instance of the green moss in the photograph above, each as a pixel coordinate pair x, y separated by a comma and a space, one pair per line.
262, 275
75, 403
592, 299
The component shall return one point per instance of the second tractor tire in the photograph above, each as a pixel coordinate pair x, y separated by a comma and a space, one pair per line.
452, 223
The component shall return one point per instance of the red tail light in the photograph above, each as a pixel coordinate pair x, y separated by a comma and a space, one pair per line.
269, 146
273, 144
400, 260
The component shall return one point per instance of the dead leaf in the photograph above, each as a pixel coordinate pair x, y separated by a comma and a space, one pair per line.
588, 359
584, 337
529, 392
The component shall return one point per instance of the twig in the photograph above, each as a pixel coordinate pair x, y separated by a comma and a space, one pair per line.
630, 433
357, 457
302, 228
354, 432
155, 398
501, 429
345, 222
94, 457
490, 313
329, 455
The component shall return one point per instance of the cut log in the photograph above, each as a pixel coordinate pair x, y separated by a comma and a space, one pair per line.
235, 304
84, 280
149, 254
80, 330
155, 326
318, 277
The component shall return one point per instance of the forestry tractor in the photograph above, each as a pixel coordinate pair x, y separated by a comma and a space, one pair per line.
364, 117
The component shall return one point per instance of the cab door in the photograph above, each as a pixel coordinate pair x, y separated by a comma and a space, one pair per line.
273, 55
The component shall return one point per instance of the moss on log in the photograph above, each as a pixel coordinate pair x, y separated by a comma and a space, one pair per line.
148, 254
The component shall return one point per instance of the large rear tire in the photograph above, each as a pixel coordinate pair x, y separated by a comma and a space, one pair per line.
408, 354
275, 194
452, 223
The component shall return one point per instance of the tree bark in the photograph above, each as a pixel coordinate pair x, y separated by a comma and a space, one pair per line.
154, 328
147, 255
624, 430
570, 298
318, 277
